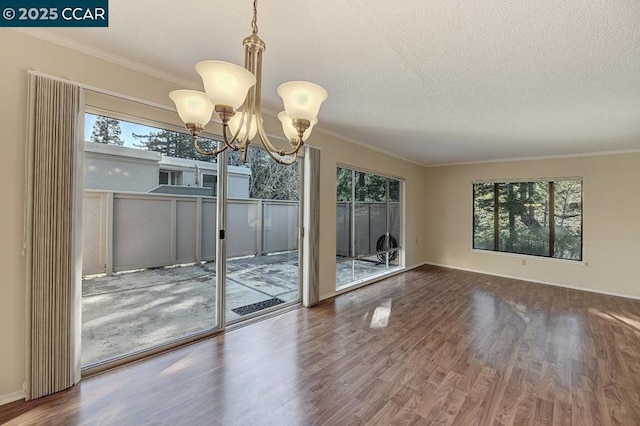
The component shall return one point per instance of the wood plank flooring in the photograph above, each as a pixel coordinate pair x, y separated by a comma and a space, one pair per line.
430, 346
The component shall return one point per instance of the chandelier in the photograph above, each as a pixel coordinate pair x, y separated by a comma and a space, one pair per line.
234, 93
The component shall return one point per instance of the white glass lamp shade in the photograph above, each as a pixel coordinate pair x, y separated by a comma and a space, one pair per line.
225, 83
193, 107
234, 124
289, 131
302, 99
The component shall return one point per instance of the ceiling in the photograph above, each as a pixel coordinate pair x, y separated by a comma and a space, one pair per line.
432, 81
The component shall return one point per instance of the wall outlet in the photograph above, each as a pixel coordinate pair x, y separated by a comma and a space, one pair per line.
524, 262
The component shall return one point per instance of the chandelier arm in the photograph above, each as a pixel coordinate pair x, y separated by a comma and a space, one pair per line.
211, 153
279, 159
274, 152
295, 150
231, 143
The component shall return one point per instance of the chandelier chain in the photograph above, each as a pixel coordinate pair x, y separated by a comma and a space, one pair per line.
254, 21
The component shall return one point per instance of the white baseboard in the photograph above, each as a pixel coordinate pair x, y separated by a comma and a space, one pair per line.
370, 281
572, 287
11, 397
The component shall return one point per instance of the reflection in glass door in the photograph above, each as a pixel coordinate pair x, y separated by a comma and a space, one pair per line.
262, 235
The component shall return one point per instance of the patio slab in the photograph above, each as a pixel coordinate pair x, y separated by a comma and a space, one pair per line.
129, 312
121, 322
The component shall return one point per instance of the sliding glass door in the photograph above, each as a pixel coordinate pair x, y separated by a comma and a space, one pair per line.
149, 240
368, 224
262, 229
175, 244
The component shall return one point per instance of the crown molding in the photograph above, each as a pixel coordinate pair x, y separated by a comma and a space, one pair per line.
51, 37
364, 145
546, 157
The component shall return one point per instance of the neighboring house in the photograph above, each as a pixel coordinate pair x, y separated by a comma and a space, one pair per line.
118, 168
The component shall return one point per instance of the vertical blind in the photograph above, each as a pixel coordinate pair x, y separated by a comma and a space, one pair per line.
54, 111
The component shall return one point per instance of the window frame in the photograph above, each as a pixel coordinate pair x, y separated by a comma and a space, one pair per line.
551, 200
174, 177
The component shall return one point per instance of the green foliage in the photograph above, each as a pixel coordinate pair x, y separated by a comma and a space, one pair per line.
343, 188
483, 216
524, 217
368, 187
107, 130
174, 144
568, 219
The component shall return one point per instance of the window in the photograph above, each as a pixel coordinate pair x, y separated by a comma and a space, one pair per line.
210, 181
151, 231
539, 218
367, 224
169, 177
128, 134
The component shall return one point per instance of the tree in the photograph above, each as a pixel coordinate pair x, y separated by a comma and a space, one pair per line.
369, 187
107, 130
271, 180
174, 144
524, 217
343, 188
234, 158
483, 216
568, 219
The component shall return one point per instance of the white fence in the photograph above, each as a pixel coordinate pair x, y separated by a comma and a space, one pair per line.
126, 231
370, 225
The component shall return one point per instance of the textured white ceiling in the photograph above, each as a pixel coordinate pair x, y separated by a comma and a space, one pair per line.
434, 81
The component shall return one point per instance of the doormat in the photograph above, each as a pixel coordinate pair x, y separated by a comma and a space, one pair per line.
255, 307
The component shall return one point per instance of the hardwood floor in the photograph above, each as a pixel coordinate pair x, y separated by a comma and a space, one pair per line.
429, 346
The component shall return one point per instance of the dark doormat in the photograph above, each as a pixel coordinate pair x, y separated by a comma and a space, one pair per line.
255, 307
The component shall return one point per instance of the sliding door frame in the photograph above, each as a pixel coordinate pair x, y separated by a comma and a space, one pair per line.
352, 232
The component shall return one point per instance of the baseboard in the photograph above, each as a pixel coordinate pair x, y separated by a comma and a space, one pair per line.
572, 287
11, 397
370, 281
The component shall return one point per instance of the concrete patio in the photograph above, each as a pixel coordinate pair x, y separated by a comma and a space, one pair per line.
134, 311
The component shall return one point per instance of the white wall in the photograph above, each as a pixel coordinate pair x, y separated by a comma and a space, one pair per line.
113, 173
237, 186
20, 53
116, 168
611, 222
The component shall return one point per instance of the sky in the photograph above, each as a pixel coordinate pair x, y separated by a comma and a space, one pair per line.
127, 130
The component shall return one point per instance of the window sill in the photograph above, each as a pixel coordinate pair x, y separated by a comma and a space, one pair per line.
532, 257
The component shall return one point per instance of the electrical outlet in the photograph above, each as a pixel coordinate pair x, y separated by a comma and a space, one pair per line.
524, 262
